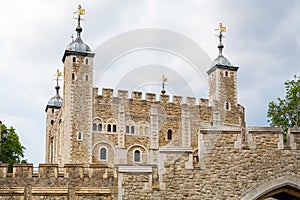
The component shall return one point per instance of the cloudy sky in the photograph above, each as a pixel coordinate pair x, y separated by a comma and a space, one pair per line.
262, 39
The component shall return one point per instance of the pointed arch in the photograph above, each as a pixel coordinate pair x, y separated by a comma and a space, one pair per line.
267, 187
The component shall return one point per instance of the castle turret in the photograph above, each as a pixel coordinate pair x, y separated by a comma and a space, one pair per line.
223, 87
52, 111
77, 105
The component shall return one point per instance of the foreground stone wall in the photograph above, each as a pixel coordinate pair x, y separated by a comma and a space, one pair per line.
228, 168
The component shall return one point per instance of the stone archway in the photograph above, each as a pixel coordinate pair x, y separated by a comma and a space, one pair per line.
284, 187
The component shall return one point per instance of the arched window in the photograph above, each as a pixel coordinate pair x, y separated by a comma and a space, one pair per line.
226, 73
169, 135
137, 156
94, 126
108, 127
99, 127
132, 129
127, 129
114, 128
103, 153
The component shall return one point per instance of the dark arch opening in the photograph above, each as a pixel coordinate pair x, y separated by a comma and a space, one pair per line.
282, 193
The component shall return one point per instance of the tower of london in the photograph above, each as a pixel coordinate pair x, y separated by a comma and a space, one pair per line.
154, 146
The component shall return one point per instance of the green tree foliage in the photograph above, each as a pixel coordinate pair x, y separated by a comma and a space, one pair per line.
286, 112
11, 150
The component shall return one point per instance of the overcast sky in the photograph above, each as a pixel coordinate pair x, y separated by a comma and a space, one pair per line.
262, 39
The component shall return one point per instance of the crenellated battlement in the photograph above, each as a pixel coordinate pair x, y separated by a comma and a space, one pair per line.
74, 171
108, 94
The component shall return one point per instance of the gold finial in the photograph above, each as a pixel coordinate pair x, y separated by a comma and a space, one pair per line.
221, 28
80, 11
58, 73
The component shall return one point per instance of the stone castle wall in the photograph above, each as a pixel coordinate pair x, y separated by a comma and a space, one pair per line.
228, 168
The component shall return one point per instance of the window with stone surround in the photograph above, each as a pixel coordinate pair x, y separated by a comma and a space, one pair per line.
226, 74
109, 128
227, 106
100, 127
130, 127
79, 136
103, 154
94, 127
137, 156
114, 128
169, 135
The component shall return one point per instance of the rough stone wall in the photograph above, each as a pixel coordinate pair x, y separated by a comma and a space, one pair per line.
75, 182
229, 173
183, 119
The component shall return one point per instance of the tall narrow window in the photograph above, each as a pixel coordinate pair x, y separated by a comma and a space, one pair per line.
94, 126
86, 61
169, 135
109, 128
132, 130
99, 127
79, 136
137, 156
52, 122
226, 73
74, 59
227, 106
73, 76
127, 129
114, 128
86, 77
103, 153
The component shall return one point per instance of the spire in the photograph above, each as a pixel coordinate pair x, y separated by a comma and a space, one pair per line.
78, 45
221, 60
58, 74
79, 13
56, 101
220, 36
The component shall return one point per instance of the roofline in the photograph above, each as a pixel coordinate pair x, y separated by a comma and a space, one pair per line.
77, 53
232, 68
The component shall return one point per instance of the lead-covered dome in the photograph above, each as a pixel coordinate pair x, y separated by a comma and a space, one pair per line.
220, 60
56, 101
78, 45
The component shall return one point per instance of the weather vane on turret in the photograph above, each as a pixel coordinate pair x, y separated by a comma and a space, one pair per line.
79, 12
221, 29
57, 78
164, 81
